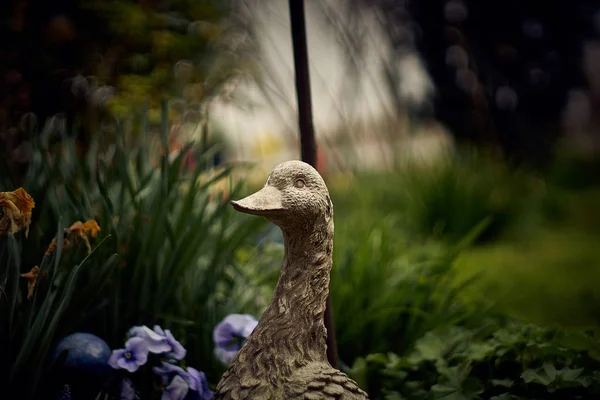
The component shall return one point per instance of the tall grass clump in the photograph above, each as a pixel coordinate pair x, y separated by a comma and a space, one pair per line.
399, 235
388, 291
446, 198
170, 242
422, 312
33, 311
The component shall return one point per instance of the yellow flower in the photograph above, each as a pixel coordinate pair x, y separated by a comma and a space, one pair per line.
15, 211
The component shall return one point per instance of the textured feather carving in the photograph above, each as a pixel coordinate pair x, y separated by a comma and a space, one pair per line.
317, 381
324, 382
285, 356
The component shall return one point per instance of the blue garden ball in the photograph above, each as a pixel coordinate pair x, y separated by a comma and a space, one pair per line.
86, 362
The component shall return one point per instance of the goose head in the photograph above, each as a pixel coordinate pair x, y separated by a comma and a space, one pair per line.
294, 197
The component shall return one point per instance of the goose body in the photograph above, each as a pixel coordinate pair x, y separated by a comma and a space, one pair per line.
285, 356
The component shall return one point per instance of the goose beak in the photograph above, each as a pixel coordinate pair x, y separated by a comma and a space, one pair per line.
264, 202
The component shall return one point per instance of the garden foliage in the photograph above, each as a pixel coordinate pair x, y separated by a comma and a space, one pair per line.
446, 198
165, 253
412, 319
401, 287
494, 361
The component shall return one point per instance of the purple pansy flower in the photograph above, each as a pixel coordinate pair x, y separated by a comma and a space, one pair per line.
194, 379
177, 351
199, 384
156, 343
230, 334
127, 390
177, 389
160, 341
134, 355
167, 370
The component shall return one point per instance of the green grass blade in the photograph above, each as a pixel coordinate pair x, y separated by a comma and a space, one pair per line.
12, 282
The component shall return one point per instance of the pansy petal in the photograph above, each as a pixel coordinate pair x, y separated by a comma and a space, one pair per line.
127, 390
199, 383
163, 372
136, 345
128, 365
150, 334
230, 334
225, 356
232, 346
239, 321
195, 378
114, 358
234, 325
159, 331
141, 358
223, 333
156, 343
136, 331
203, 388
168, 368
249, 328
122, 363
177, 389
177, 352
138, 349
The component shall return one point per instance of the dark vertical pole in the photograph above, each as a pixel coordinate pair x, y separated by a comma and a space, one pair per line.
307, 135
308, 143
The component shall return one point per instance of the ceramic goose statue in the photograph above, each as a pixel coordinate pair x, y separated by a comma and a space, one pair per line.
285, 356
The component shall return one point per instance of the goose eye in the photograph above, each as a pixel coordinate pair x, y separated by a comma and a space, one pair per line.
299, 183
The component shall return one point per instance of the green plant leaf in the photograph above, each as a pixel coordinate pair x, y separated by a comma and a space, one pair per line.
536, 376
506, 396
12, 280
455, 383
502, 382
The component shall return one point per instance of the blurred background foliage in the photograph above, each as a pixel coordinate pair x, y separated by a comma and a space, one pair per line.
90, 60
471, 275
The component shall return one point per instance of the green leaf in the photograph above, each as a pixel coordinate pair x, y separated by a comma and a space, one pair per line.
430, 348
506, 396
381, 359
572, 377
502, 382
569, 374
69, 289
12, 280
448, 392
536, 376
455, 383
33, 336
59, 249
550, 371
359, 372
555, 379
479, 351
394, 396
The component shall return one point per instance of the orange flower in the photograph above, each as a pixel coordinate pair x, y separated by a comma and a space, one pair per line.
52, 246
15, 211
78, 229
91, 227
31, 277
81, 229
